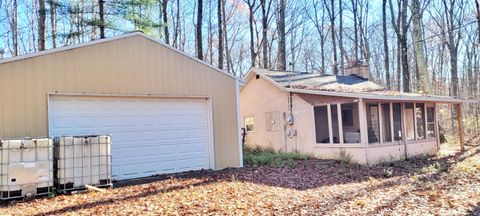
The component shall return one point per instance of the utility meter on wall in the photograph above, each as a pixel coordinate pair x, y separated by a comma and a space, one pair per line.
289, 119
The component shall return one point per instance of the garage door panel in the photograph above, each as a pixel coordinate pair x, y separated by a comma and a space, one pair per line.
149, 135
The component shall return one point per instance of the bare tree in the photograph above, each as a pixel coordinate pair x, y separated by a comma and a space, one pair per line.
53, 21
331, 14
198, 34
385, 43
165, 21
220, 34
265, 5
13, 21
101, 12
252, 8
355, 27
318, 21
419, 45
281, 50
340, 38
41, 25
401, 29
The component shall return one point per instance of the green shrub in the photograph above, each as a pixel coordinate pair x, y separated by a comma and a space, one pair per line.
259, 156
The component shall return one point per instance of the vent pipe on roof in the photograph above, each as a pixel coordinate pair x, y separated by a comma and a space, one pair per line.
358, 68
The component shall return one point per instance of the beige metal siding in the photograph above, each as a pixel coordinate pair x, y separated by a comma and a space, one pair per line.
131, 65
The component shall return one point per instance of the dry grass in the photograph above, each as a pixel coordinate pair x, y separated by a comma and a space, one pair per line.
448, 184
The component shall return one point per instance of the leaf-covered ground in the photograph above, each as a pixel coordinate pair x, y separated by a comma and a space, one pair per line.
448, 184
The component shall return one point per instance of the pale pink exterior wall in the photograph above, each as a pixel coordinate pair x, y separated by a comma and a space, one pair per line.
259, 96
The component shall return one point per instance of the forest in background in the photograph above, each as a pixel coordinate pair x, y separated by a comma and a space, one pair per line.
425, 46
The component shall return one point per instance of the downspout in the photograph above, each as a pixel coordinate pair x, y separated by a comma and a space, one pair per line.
288, 121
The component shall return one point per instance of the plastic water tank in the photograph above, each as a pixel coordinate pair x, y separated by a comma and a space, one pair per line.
83, 160
26, 167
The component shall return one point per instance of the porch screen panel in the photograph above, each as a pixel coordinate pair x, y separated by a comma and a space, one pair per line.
387, 134
430, 122
321, 124
420, 115
335, 127
397, 121
373, 123
409, 121
351, 124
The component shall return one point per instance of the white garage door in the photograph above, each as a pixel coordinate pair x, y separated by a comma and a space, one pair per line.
149, 135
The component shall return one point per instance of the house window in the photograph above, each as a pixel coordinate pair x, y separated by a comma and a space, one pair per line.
409, 121
386, 126
430, 122
373, 123
420, 115
397, 121
249, 122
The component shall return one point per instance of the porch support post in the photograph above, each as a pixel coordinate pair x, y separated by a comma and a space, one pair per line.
437, 132
415, 136
460, 126
340, 123
392, 131
363, 122
380, 123
330, 130
404, 131
425, 129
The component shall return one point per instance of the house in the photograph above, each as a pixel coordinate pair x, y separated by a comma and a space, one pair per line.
332, 116
166, 112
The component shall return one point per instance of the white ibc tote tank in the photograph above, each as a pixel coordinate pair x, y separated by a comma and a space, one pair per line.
83, 160
26, 167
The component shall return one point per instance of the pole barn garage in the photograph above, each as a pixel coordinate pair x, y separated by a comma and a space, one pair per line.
166, 112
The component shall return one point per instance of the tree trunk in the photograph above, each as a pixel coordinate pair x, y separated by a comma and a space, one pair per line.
253, 55
355, 27
102, 17
403, 43
264, 34
454, 72
281, 50
477, 6
199, 29
176, 31
385, 43
220, 34
227, 51
41, 25
331, 13
14, 28
419, 45
165, 21
340, 39
53, 21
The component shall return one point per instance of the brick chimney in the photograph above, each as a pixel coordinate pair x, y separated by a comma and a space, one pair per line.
358, 68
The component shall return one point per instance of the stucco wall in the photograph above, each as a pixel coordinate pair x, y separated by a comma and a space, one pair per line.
257, 98
130, 65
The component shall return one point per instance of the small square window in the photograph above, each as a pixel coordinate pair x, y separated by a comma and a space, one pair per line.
249, 122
